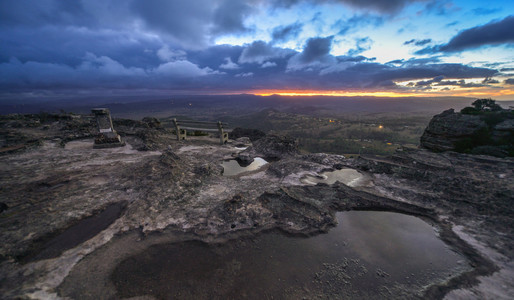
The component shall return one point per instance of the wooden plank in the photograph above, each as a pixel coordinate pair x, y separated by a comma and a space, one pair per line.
199, 129
205, 129
199, 122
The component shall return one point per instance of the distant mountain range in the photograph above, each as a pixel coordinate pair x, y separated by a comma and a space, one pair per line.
216, 106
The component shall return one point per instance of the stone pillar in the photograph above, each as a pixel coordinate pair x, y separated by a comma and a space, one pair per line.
107, 137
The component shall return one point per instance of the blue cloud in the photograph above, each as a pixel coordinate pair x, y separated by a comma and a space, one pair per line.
356, 22
481, 11
418, 42
286, 33
361, 45
490, 34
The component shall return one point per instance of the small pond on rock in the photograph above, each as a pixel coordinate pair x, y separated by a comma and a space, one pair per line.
368, 255
347, 176
233, 167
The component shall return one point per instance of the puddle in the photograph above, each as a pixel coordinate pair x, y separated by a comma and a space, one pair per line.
350, 177
76, 234
232, 167
368, 255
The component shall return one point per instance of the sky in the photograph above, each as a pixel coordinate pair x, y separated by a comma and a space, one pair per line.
288, 47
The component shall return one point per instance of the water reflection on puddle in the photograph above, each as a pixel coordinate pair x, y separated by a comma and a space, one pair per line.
350, 177
368, 255
232, 167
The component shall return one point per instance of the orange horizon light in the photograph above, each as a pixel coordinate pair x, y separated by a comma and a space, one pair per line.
452, 93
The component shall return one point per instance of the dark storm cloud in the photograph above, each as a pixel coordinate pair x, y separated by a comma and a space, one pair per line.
418, 42
509, 81
37, 13
376, 73
70, 44
260, 51
194, 24
461, 83
199, 72
381, 6
493, 33
316, 48
286, 33
430, 82
183, 21
215, 56
391, 6
229, 17
156, 44
315, 55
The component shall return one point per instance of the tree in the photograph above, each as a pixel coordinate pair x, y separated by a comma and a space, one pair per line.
486, 105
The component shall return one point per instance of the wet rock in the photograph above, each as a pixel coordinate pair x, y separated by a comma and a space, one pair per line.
242, 142
244, 159
208, 170
252, 134
78, 233
275, 147
150, 139
181, 191
169, 158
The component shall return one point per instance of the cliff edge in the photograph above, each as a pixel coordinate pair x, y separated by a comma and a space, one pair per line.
485, 129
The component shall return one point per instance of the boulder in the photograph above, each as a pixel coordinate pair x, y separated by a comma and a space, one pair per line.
503, 130
244, 159
152, 122
252, 134
482, 132
273, 146
447, 128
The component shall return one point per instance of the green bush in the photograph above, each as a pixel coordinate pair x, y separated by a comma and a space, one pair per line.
486, 105
469, 111
481, 106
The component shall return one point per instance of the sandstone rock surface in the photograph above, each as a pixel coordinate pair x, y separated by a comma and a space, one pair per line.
176, 192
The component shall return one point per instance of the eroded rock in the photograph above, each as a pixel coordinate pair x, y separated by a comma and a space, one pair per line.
178, 193
448, 127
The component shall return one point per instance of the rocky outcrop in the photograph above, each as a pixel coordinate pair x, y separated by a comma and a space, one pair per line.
252, 134
152, 122
447, 128
488, 133
274, 146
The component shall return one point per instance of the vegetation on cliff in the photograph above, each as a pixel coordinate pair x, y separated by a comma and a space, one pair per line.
483, 128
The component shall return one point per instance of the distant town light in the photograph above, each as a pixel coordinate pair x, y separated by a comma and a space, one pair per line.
380, 126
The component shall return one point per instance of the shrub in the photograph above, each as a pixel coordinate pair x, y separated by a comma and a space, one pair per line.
486, 105
469, 111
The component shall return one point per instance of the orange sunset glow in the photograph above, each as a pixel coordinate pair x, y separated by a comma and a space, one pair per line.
497, 94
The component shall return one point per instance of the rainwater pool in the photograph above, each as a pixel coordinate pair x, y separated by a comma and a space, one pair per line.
368, 255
